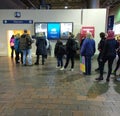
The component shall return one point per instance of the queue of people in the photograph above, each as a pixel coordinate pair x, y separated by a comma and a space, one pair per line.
108, 48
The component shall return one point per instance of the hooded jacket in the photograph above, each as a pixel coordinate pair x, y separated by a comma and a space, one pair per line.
110, 45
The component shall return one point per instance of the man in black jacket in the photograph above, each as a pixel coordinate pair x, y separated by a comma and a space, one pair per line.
100, 48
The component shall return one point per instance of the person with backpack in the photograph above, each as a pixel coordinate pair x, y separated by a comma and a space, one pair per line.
59, 52
25, 46
70, 51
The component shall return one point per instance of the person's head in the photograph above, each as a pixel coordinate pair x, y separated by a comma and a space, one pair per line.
70, 35
102, 35
17, 35
89, 35
110, 34
25, 31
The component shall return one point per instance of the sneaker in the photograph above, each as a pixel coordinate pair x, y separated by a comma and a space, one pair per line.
71, 69
62, 68
97, 69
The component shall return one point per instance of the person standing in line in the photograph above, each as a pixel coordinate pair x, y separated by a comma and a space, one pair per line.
70, 52
25, 46
109, 54
118, 62
87, 50
100, 48
59, 51
41, 44
12, 45
17, 49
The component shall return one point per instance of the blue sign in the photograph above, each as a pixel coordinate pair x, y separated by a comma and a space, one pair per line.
17, 21
110, 22
53, 30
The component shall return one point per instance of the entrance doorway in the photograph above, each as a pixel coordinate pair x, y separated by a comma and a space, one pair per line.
9, 35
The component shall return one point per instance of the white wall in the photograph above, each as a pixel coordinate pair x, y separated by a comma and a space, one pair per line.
91, 17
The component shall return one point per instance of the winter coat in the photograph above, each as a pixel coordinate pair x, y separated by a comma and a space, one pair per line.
41, 46
110, 45
88, 47
110, 48
25, 42
70, 46
16, 44
59, 49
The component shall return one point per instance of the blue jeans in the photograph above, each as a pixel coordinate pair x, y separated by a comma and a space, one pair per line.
60, 61
88, 65
27, 57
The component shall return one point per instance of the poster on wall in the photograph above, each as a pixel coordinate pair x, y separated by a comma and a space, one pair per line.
53, 31
86, 29
39, 28
66, 27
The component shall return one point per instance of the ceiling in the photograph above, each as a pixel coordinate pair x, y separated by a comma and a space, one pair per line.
54, 4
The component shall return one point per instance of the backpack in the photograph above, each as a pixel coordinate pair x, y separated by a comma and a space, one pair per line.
75, 46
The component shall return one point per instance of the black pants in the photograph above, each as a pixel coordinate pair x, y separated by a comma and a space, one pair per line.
12, 51
98, 59
43, 59
110, 60
17, 57
69, 57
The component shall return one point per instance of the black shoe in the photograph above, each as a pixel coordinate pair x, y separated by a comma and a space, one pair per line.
36, 63
99, 78
107, 80
97, 69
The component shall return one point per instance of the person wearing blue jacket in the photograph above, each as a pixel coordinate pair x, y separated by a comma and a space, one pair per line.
87, 50
17, 49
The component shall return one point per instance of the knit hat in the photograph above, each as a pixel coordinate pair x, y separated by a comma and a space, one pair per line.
110, 34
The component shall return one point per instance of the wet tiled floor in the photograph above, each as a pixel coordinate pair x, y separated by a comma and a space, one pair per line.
44, 90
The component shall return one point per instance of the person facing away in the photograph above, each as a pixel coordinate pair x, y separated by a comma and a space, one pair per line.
70, 52
118, 61
41, 48
25, 46
100, 48
17, 49
109, 54
12, 39
87, 50
59, 52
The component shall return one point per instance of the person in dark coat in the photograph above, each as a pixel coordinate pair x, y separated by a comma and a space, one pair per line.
118, 61
26, 46
59, 52
87, 50
100, 48
109, 54
41, 48
70, 52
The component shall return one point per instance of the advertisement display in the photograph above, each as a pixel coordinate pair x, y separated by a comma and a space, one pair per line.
86, 29
65, 29
53, 31
40, 27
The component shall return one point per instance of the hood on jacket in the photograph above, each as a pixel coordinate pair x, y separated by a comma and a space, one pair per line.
110, 34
